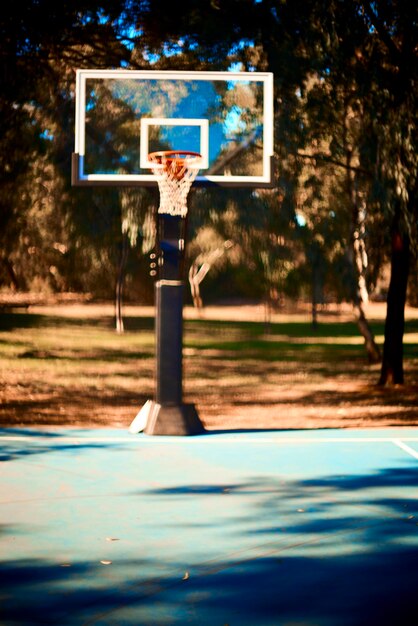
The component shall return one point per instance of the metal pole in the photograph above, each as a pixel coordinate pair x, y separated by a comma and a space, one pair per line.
168, 414
169, 342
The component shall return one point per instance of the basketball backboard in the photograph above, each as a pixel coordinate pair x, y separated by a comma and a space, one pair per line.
123, 115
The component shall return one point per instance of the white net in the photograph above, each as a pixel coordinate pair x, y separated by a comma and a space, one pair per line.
175, 173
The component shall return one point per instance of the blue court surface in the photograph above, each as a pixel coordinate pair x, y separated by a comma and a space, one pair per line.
296, 528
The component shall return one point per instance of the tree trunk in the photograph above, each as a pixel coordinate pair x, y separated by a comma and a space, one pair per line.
124, 248
392, 365
372, 349
315, 291
358, 261
199, 268
8, 265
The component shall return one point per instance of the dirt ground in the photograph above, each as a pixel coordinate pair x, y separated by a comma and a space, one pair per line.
229, 393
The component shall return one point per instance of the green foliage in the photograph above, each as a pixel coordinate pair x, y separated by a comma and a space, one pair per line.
345, 129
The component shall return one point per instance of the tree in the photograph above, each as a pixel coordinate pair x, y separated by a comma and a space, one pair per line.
367, 54
392, 68
211, 251
137, 222
40, 46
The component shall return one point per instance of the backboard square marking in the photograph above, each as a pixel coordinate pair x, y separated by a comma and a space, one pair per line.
203, 148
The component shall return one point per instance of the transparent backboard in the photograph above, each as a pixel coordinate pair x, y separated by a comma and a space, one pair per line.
123, 115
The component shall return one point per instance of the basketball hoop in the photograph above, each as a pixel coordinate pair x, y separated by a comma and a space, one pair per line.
175, 171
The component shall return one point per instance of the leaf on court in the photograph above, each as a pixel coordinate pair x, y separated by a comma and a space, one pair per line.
112, 539
186, 576
104, 562
301, 510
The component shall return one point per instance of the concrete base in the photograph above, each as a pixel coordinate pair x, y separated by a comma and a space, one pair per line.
172, 420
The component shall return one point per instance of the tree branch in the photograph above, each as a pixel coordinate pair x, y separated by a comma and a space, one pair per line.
328, 159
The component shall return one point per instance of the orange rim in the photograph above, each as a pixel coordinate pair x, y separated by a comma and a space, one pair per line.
176, 156
175, 163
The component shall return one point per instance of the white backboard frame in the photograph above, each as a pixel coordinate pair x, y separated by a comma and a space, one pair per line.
79, 177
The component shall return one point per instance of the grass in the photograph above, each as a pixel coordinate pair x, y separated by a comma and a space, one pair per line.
72, 368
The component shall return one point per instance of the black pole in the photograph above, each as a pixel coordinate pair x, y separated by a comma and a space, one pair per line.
169, 342
167, 414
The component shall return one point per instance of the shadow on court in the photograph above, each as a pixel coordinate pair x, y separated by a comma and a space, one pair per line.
369, 589
252, 528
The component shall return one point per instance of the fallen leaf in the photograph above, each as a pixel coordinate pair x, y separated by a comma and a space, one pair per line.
105, 562
112, 539
186, 576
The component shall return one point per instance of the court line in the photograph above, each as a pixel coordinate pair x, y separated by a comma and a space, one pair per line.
212, 439
406, 448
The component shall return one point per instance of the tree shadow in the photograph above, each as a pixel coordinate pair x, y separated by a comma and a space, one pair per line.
14, 321
225, 362
373, 589
46, 442
356, 577
330, 550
